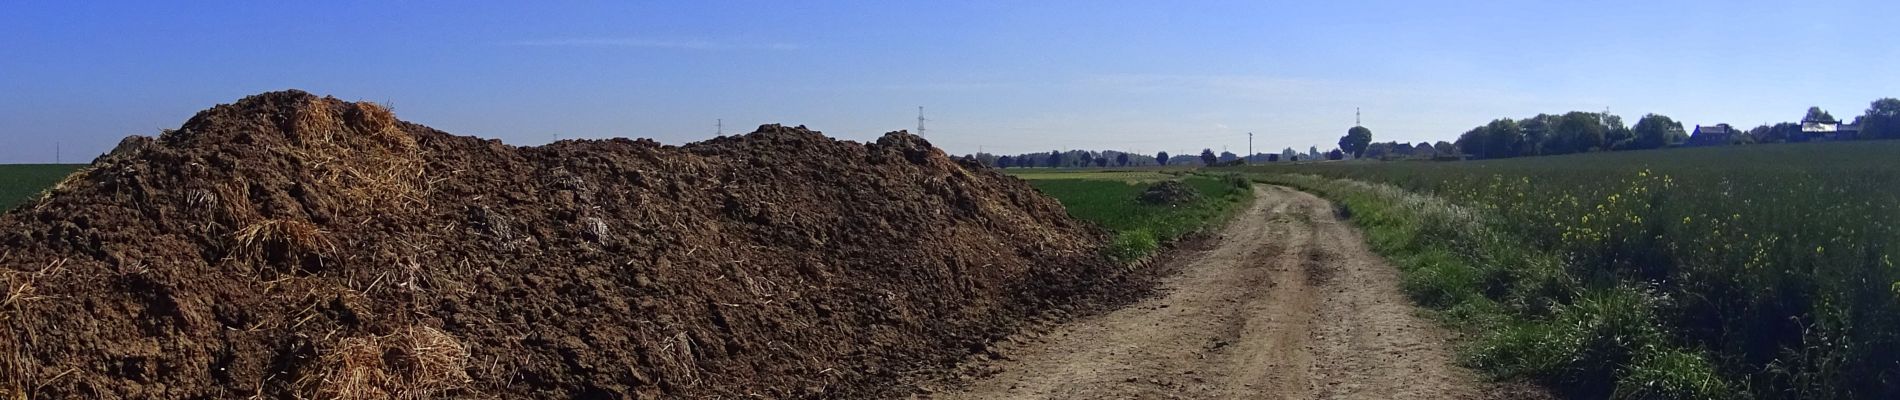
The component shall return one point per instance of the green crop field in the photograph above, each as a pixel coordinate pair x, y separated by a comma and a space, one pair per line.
1766, 271
1109, 199
20, 182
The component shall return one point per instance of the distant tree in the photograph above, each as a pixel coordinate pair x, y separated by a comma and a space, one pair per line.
1378, 150
1399, 150
1445, 148
1312, 153
1882, 120
1618, 139
1576, 132
1782, 132
1657, 131
1424, 150
1817, 115
1085, 159
1760, 134
1208, 158
1273, 157
1289, 155
1121, 159
1536, 133
1742, 138
1004, 161
1503, 138
1615, 135
1474, 141
1507, 138
1335, 155
985, 158
1356, 140
1161, 158
1055, 159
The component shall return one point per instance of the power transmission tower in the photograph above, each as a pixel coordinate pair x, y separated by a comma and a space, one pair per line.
721, 125
920, 120
1355, 117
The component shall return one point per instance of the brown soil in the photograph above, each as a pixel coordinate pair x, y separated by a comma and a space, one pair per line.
1169, 193
296, 246
1289, 304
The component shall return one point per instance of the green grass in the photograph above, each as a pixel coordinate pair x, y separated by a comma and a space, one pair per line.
1760, 271
21, 182
1108, 198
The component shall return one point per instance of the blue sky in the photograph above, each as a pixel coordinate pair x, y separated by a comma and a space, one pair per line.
1007, 76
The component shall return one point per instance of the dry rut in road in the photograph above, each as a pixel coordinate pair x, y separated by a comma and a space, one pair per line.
1289, 304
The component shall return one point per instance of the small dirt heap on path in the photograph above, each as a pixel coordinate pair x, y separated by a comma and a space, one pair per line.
1169, 193
291, 245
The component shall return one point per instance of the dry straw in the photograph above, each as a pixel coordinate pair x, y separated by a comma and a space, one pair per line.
419, 362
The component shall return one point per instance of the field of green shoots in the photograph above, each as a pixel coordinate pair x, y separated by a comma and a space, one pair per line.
1762, 271
1108, 198
20, 182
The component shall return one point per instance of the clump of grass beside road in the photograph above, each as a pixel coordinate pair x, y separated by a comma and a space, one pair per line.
1532, 316
22, 182
1775, 263
1111, 199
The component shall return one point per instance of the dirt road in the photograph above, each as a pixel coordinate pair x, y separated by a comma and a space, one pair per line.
1289, 304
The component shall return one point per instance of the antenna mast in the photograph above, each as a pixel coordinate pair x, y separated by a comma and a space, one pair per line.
920, 120
1355, 117
720, 123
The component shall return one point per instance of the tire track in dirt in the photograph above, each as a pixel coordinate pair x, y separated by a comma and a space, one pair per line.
1289, 304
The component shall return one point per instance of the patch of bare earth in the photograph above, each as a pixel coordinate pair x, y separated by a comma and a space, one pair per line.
1289, 304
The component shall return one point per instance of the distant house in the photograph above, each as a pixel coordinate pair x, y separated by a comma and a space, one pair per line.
1819, 128
1823, 128
1712, 135
1847, 131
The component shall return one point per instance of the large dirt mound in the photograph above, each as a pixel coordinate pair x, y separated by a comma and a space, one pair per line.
296, 246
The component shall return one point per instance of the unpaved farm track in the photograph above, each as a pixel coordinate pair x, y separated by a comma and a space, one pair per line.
1288, 304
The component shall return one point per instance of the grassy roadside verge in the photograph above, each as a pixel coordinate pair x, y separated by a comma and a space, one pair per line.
1111, 200
1530, 317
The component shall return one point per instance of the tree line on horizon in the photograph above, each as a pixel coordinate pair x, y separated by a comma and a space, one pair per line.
1540, 135
1579, 132
1113, 158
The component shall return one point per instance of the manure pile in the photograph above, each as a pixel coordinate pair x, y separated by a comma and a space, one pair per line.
291, 245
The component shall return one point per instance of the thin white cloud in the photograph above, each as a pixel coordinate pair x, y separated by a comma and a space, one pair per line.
649, 44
